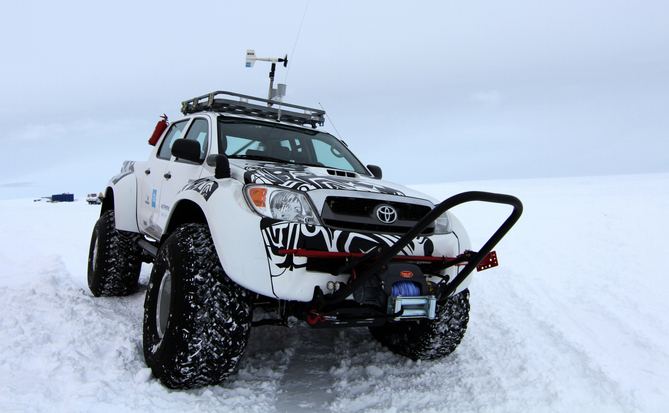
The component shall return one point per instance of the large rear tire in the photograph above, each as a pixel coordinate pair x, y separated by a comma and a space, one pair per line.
196, 320
428, 339
113, 259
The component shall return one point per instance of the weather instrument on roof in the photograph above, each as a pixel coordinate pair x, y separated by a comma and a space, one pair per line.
280, 91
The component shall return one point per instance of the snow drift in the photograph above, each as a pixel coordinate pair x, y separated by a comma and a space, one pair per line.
573, 319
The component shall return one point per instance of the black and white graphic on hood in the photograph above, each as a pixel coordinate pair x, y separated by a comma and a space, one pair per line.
203, 186
299, 178
279, 235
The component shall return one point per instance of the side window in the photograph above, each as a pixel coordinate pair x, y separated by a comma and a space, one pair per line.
165, 151
199, 131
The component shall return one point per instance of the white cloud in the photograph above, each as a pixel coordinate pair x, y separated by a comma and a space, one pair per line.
492, 97
37, 132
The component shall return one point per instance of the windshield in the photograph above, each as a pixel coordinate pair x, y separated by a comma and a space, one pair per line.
255, 140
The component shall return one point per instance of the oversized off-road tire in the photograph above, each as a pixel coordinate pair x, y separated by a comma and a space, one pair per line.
196, 320
113, 259
428, 339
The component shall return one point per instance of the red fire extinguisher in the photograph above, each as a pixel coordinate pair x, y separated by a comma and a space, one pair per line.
160, 128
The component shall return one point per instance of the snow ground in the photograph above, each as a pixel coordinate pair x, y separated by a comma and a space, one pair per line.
573, 319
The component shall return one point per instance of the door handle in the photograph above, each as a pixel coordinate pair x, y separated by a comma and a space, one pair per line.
148, 171
167, 175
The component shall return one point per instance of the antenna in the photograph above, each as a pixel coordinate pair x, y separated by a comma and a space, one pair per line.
280, 92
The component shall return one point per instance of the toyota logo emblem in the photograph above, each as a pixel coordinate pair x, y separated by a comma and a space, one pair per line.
386, 214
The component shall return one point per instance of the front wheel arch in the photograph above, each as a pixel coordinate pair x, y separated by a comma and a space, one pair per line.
184, 212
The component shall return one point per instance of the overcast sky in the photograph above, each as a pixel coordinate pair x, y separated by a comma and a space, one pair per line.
430, 91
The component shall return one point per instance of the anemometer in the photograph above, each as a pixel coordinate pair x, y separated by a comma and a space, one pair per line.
280, 91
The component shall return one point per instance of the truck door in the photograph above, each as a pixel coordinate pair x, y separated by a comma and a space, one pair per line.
148, 206
180, 172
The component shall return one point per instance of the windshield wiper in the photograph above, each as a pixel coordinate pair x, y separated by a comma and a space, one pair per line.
259, 158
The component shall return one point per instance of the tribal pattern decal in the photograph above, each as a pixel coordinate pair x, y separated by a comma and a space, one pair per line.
128, 168
297, 177
289, 235
203, 186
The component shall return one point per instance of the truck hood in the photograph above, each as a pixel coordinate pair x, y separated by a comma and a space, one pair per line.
309, 178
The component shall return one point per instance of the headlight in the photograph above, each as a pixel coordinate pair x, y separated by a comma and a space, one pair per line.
281, 204
443, 224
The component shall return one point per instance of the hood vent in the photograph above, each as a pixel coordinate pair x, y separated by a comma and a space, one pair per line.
335, 172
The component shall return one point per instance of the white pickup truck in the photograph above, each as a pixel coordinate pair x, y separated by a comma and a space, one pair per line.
245, 206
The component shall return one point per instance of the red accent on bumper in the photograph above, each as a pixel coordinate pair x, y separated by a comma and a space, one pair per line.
488, 262
301, 252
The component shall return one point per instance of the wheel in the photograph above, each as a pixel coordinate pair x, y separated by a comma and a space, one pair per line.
428, 339
113, 259
196, 320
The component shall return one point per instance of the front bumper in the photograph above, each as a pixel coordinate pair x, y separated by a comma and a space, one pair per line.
363, 260
301, 257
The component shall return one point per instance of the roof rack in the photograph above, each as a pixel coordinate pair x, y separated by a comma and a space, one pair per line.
211, 102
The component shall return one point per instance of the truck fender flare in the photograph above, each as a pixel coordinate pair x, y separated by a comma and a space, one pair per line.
215, 200
123, 190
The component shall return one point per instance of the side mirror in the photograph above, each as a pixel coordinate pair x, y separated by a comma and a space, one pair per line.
222, 165
188, 149
376, 171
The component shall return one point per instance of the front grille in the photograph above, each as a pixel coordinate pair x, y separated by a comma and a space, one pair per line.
357, 226
351, 206
365, 207
358, 214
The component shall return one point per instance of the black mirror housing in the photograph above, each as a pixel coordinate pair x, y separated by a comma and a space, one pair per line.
187, 149
222, 165
376, 171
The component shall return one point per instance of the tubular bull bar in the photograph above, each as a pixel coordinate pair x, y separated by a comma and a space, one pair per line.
364, 266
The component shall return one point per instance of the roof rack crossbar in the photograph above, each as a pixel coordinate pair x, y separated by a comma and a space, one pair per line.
210, 102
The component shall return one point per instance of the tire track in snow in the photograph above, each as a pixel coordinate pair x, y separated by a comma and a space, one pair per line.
306, 383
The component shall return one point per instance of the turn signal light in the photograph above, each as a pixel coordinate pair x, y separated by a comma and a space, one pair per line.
258, 196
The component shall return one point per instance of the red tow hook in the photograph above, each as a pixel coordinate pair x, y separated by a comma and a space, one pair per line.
315, 317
